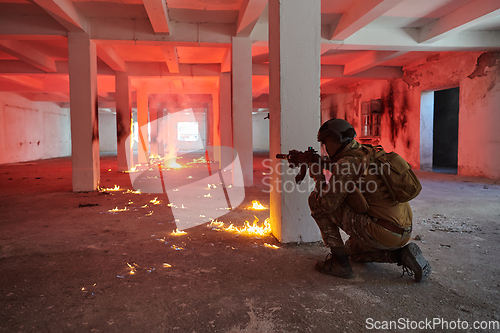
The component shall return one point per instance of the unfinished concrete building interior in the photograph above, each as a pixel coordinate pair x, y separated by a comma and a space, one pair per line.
138, 186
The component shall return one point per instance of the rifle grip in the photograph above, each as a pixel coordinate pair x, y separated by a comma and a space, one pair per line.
302, 173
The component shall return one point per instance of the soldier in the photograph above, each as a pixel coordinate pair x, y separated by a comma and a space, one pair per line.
357, 202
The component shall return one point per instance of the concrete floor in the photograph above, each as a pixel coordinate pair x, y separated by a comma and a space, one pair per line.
63, 263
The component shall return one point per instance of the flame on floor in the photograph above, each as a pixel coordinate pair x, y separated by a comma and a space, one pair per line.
271, 246
178, 232
116, 209
248, 229
113, 189
132, 267
256, 205
155, 201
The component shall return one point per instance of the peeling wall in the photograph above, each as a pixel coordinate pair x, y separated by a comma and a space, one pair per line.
476, 74
397, 103
32, 130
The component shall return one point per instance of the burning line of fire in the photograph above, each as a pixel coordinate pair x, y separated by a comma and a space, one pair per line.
133, 192
248, 229
116, 209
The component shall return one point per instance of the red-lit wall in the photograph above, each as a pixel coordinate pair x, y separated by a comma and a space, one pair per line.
32, 130
478, 77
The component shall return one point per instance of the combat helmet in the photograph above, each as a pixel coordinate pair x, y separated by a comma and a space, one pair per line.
339, 129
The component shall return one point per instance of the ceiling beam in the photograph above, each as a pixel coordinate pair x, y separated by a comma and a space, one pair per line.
407, 40
139, 31
248, 15
146, 69
359, 15
108, 54
459, 20
32, 27
63, 12
28, 54
369, 59
171, 58
24, 81
158, 15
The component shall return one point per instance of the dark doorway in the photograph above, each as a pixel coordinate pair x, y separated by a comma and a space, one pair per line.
445, 138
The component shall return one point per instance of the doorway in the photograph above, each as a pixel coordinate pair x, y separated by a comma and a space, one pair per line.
445, 134
439, 130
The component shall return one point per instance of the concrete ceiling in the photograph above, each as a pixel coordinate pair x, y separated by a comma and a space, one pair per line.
181, 46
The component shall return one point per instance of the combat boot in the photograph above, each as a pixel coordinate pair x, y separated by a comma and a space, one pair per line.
413, 262
336, 264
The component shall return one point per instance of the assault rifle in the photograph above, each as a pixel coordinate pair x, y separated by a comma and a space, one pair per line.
301, 159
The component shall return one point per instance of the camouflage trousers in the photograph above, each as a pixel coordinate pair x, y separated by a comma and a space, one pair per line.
360, 246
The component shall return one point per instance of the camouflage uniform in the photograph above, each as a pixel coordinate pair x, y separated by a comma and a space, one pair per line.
332, 209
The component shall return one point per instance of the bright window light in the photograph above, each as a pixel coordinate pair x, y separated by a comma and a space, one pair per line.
187, 131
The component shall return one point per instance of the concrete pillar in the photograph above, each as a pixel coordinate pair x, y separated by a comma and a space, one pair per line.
216, 119
161, 142
209, 141
294, 100
153, 119
83, 112
242, 105
142, 123
226, 126
123, 121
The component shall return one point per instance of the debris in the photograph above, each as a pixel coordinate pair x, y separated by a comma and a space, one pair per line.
87, 205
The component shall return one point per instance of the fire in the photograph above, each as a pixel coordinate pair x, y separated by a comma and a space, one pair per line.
271, 246
116, 188
155, 201
256, 205
248, 229
134, 192
116, 209
133, 268
172, 163
177, 248
166, 265
178, 232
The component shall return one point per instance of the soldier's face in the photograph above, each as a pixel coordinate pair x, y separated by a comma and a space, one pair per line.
331, 146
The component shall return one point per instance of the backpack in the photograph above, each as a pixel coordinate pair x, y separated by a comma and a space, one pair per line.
397, 175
